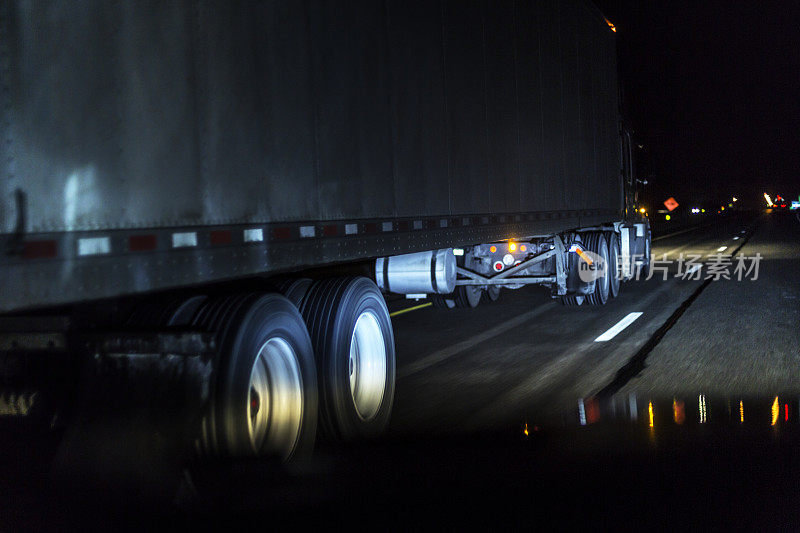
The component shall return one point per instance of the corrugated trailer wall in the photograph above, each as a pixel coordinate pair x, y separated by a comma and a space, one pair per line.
130, 115
165, 113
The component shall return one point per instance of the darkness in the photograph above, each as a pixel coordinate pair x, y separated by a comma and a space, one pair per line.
712, 91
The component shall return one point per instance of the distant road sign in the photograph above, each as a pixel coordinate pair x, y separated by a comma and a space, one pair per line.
671, 203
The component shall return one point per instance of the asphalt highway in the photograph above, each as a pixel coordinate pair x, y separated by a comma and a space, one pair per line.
526, 358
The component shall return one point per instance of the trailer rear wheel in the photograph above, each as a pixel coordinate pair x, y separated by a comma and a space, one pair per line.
354, 346
295, 289
264, 401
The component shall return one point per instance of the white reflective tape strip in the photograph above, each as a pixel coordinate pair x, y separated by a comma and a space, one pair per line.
443, 223
722, 248
387, 226
253, 235
180, 240
458, 251
350, 229
618, 327
307, 231
94, 246
417, 224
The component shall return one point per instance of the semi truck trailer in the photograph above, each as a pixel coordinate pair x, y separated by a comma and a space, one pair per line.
219, 196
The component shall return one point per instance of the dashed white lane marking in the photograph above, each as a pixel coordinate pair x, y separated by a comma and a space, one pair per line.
722, 248
736, 238
618, 327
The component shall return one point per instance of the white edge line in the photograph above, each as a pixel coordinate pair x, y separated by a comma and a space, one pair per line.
618, 327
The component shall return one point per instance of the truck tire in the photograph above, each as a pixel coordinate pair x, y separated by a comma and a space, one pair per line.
613, 263
295, 289
572, 300
354, 346
644, 269
264, 394
491, 294
597, 244
440, 302
467, 296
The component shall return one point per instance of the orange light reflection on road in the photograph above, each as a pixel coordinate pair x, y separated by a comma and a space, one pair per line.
741, 412
678, 412
650, 411
776, 411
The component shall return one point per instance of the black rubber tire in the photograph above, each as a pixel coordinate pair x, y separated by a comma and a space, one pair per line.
643, 269
613, 264
597, 244
467, 296
440, 302
295, 289
572, 300
242, 324
331, 309
490, 294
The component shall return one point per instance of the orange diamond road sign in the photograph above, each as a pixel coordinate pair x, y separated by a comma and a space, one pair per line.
671, 203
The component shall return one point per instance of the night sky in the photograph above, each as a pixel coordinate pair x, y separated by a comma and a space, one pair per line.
713, 92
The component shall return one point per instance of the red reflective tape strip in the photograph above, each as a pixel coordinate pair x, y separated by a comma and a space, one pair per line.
282, 233
222, 236
142, 243
39, 249
370, 228
403, 225
330, 231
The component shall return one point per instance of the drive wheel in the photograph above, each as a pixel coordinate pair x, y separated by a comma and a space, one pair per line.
467, 296
354, 345
264, 401
440, 302
613, 264
491, 294
596, 243
573, 300
644, 268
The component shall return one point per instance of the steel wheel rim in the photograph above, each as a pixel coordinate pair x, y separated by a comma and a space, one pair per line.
367, 365
275, 399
